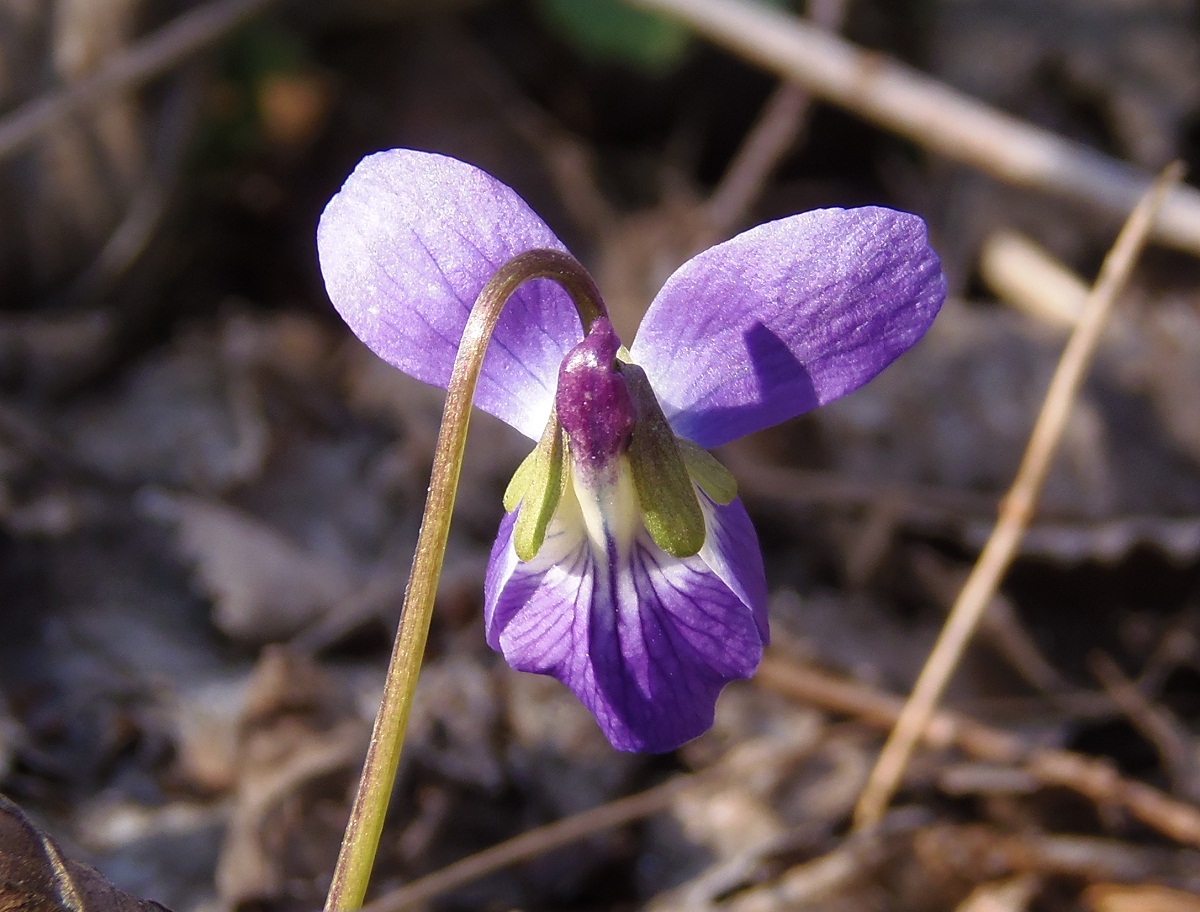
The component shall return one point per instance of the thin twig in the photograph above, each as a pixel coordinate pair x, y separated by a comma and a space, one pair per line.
1089, 776
805, 488
779, 126
1000, 624
176, 41
1052, 767
1176, 750
1016, 509
932, 114
1022, 273
532, 844
570, 163
777, 129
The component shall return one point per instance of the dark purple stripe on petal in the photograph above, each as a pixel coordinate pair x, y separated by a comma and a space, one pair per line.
645, 640
680, 635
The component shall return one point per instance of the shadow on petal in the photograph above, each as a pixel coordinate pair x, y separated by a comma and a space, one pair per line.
772, 372
844, 291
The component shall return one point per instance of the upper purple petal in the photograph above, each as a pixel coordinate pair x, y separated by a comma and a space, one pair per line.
405, 248
785, 317
645, 640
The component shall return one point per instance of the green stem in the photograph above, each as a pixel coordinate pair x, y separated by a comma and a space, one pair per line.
361, 840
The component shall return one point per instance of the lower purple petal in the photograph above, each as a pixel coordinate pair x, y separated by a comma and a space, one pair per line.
645, 640
731, 551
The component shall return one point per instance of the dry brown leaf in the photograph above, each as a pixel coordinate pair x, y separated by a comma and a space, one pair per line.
74, 187
956, 412
264, 586
301, 742
1139, 898
35, 876
1012, 895
1132, 64
184, 416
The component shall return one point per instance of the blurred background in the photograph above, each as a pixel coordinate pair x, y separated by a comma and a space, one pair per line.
209, 490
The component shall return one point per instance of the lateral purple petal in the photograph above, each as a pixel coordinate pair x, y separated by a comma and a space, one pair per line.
785, 317
405, 248
644, 640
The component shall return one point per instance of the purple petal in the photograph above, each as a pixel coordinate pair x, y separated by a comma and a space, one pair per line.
645, 640
405, 248
785, 317
732, 552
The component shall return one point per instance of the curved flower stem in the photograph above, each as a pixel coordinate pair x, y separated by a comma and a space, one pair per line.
361, 839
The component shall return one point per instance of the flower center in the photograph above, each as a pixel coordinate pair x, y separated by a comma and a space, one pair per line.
609, 447
594, 405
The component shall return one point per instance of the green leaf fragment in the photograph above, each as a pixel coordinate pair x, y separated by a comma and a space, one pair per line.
609, 31
670, 508
537, 487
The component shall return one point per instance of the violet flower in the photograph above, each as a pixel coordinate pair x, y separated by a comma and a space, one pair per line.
625, 566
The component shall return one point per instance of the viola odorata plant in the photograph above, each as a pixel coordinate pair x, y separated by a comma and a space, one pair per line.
626, 566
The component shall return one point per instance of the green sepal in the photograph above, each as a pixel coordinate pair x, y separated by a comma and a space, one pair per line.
519, 483
537, 487
706, 470
670, 508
